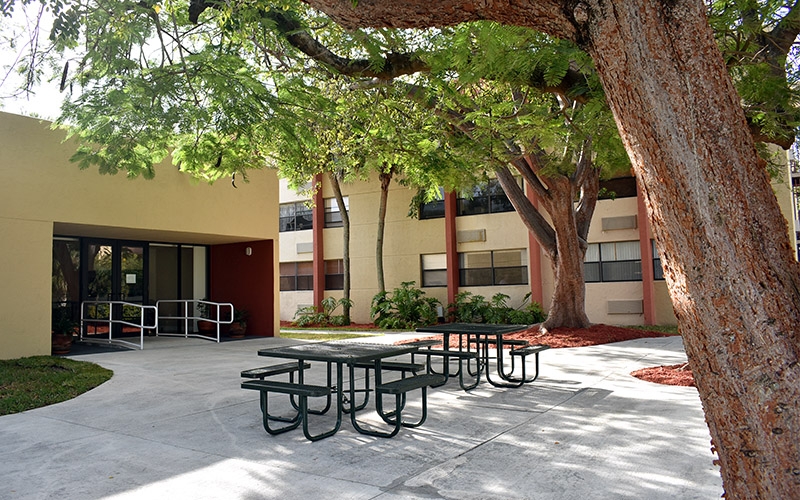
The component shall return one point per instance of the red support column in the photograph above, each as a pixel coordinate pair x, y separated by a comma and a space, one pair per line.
318, 222
534, 257
451, 245
648, 288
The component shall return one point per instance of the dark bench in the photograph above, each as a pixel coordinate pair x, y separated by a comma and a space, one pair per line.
508, 342
303, 392
524, 352
446, 355
268, 371
397, 366
424, 342
399, 388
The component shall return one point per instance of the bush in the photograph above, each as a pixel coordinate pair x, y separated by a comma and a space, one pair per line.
405, 308
309, 316
469, 308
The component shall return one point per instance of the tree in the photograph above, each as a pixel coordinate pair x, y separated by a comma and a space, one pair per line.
730, 269
558, 141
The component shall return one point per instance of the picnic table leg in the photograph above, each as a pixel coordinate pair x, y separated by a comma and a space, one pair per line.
354, 420
304, 409
300, 380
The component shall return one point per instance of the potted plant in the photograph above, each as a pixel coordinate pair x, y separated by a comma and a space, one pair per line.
62, 331
204, 311
239, 325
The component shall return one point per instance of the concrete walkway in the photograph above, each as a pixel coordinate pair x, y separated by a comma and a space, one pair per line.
173, 423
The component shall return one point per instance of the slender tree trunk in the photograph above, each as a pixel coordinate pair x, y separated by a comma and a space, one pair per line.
386, 179
337, 192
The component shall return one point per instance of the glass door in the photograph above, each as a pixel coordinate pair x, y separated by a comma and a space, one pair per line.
114, 270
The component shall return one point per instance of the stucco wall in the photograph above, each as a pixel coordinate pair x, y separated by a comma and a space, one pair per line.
43, 193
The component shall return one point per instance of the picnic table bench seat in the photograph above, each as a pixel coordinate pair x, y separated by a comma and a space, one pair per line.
399, 366
303, 392
399, 388
524, 352
268, 371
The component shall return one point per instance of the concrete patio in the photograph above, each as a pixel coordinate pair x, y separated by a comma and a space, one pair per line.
174, 423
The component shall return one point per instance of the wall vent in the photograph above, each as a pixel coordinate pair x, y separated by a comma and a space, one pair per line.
615, 223
305, 247
470, 236
625, 307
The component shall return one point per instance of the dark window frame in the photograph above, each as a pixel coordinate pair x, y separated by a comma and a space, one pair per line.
299, 217
494, 272
488, 198
334, 281
333, 218
602, 268
295, 282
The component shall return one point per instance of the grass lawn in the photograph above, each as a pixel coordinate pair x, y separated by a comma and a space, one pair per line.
291, 334
28, 383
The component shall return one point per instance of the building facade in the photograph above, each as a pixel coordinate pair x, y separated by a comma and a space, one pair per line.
71, 235
476, 244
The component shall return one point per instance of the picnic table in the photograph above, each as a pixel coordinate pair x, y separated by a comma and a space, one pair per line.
352, 355
482, 337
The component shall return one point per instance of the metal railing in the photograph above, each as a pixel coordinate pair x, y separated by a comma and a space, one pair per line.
110, 313
186, 314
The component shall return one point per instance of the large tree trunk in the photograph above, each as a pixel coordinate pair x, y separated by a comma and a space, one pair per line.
730, 269
337, 192
568, 304
731, 272
563, 239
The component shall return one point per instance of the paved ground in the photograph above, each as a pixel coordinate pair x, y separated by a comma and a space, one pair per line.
173, 423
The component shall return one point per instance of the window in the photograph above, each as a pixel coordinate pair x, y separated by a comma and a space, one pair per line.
434, 269
500, 267
333, 216
658, 271
616, 261
484, 199
295, 216
334, 274
623, 187
297, 276
433, 209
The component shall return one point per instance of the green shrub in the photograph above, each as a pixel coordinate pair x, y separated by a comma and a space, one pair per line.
406, 307
309, 316
469, 308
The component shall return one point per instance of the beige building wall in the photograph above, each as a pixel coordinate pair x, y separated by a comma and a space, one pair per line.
406, 239
43, 194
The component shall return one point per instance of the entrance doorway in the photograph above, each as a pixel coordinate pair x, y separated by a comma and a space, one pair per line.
114, 270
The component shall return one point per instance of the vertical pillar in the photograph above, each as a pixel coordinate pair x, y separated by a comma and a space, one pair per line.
648, 287
318, 222
451, 245
534, 256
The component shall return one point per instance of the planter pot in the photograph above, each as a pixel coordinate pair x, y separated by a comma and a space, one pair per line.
237, 330
206, 326
61, 344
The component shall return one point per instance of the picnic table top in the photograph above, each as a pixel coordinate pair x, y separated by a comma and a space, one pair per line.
472, 328
337, 351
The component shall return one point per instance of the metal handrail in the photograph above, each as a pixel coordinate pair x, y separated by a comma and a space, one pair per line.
111, 320
186, 317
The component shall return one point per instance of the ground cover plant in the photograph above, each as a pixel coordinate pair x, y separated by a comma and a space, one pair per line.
28, 383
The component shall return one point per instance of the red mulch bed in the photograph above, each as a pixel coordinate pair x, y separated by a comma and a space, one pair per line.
667, 375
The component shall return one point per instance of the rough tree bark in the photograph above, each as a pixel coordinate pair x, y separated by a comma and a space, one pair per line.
729, 266
564, 240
